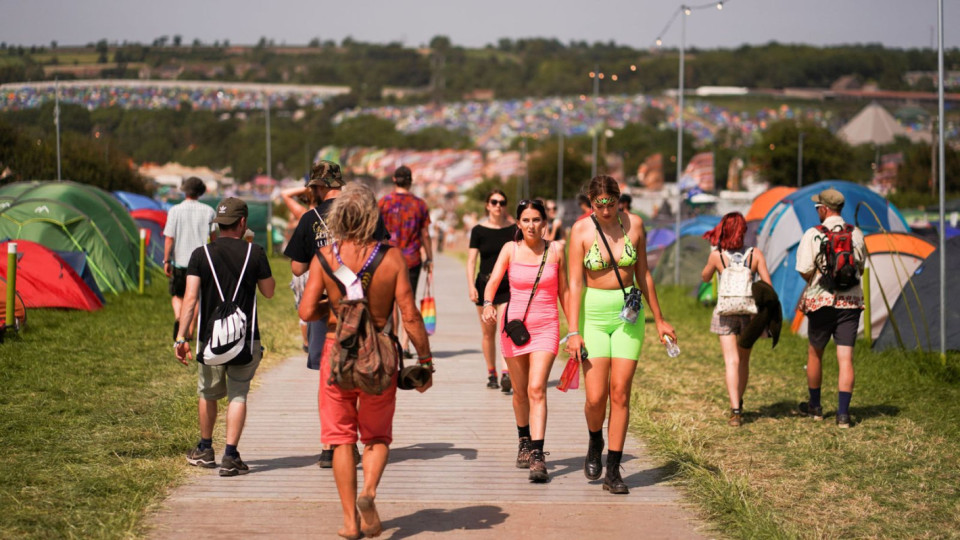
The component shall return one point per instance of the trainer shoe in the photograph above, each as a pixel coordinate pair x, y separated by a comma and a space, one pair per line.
736, 418
233, 466
505, 385
843, 421
492, 382
815, 412
523, 453
538, 466
202, 458
326, 459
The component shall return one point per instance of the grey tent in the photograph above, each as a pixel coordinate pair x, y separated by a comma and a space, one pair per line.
872, 125
914, 321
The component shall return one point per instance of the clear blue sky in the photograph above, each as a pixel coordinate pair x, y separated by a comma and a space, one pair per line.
894, 23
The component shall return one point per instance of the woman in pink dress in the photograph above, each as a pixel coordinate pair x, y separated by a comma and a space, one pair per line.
535, 302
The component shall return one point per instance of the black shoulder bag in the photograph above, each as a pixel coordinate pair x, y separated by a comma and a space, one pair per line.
632, 301
516, 329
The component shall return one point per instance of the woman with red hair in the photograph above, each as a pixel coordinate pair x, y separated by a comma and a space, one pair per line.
729, 254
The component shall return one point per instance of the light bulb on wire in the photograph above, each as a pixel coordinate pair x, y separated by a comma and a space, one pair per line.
686, 10
720, 5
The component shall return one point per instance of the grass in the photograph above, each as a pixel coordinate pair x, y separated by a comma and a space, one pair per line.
96, 412
894, 474
65, 58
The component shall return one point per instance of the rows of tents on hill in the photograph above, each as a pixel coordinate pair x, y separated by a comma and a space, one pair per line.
77, 243
903, 263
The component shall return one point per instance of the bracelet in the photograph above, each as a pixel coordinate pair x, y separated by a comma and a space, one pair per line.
569, 334
487, 303
426, 360
178, 342
428, 364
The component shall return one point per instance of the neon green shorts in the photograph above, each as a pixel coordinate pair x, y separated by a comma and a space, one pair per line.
605, 335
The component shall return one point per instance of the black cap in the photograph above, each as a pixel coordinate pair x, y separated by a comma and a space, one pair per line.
230, 210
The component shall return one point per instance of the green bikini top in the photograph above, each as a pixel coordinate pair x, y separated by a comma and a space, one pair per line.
594, 259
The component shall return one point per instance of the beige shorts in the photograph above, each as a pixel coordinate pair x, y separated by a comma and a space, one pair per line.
233, 382
727, 325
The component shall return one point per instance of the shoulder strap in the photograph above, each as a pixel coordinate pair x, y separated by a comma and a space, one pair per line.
329, 271
543, 262
613, 264
242, 271
214, 272
723, 265
374, 264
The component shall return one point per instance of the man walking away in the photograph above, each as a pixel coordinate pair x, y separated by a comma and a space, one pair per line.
228, 268
408, 220
189, 225
830, 258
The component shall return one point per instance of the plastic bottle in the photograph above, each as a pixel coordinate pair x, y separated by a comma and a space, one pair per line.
673, 350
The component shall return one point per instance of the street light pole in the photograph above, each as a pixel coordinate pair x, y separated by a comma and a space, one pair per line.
560, 163
269, 160
800, 162
943, 230
56, 121
596, 96
676, 244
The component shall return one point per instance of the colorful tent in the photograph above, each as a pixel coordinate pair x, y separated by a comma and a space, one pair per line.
763, 202
19, 309
135, 201
914, 320
892, 259
259, 213
65, 216
693, 256
45, 280
781, 230
153, 221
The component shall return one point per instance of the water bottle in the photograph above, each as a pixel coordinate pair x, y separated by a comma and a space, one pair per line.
673, 350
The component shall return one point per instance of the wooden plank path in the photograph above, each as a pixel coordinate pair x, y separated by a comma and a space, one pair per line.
451, 470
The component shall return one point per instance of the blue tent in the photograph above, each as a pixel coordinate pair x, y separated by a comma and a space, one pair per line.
660, 238
781, 230
134, 201
78, 261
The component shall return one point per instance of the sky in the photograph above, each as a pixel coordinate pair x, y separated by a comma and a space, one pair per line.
637, 23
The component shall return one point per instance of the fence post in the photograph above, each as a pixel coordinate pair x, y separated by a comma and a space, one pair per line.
867, 322
143, 258
269, 239
11, 284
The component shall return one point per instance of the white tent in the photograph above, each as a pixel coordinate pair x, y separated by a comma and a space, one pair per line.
872, 125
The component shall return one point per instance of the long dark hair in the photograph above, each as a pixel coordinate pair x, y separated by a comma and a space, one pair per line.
526, 204
603, 185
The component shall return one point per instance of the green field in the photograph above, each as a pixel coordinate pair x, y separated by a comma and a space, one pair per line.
65, 58
96, 412
894, 474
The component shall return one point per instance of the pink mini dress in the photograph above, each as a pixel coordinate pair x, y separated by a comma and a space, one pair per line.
543, 319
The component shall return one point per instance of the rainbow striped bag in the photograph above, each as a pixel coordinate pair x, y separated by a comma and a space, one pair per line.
428, 307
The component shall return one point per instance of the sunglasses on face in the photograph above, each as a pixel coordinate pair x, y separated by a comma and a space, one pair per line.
497, 202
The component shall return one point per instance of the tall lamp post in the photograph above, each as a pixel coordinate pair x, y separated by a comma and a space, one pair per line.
266, 100
676, 244
559, 118
56, 121
943, 231
800, 161
596, 75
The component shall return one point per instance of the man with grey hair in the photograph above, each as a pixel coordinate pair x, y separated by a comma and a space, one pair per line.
189, 226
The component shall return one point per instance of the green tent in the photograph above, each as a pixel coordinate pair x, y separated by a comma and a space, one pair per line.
259, 213
693, 257
66, 216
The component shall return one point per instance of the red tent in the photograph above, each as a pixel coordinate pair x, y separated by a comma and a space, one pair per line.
157, 216
46, 280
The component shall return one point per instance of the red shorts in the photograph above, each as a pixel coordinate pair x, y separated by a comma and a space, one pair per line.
343, 413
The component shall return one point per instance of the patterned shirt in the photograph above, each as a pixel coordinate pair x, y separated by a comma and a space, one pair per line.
815, 296
405, 216
189, 224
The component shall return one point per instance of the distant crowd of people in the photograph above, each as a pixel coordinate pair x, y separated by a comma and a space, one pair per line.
357, 261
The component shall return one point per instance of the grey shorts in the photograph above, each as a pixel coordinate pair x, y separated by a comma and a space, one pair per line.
233, 382
827, 322
729, 325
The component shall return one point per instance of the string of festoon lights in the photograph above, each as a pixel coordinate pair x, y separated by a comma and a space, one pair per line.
684, 10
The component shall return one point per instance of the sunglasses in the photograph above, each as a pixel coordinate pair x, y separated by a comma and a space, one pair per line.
497, 202
534, 203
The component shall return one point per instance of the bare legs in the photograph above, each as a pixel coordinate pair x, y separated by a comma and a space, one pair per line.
737, 362
345, 473
236, 416
609, 378
529, 374
844, 360
489, 341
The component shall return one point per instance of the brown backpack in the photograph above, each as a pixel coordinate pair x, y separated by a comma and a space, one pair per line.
361, 358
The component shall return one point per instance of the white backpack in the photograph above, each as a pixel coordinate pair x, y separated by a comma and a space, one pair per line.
735, 294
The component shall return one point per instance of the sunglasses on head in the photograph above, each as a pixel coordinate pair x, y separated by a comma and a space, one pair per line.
497, 202
534, 203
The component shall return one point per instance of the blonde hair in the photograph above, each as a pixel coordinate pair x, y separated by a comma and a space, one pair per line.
354, 214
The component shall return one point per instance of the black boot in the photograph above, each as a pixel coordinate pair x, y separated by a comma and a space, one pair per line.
613, 482
592, 467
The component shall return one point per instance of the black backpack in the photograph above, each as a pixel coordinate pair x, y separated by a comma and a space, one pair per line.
836, 262
227, 327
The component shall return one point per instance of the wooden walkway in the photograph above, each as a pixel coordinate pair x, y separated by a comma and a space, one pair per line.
451, 469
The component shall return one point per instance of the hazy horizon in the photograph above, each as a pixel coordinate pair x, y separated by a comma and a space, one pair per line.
891, 23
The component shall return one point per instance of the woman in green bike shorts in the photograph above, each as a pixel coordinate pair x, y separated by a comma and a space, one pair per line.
600, 282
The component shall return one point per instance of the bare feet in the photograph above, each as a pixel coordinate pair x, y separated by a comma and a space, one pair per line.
369, 516
351, 533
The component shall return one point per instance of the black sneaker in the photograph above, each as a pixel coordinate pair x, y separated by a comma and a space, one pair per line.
233, 466
202, 458
614, 483
815, 412
538, 466
326, 459
505, 385
592, 467
523, 453
843, 421
492, 382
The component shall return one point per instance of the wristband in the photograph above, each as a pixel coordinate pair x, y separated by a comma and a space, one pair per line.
427, 363
572, 334
487, 303
178, 342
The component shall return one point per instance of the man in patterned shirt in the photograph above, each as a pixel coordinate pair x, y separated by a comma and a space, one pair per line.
408, 220
829, 312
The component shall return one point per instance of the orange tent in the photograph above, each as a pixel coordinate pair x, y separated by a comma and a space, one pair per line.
765, 201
